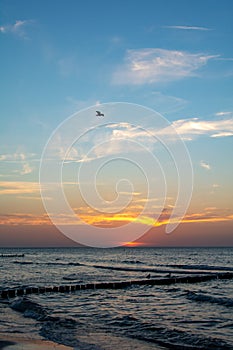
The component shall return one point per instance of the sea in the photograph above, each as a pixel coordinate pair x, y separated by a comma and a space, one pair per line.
176, 316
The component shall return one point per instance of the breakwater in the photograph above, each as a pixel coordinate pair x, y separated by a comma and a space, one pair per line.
12, 293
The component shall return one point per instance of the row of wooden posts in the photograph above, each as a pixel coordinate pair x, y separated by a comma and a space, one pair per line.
12, 293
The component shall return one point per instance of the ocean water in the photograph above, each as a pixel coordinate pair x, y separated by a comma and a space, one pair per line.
176, 316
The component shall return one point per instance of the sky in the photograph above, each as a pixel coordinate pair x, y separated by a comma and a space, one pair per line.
170, 65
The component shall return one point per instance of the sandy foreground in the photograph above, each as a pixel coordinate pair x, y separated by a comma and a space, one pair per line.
92, 342
11, 343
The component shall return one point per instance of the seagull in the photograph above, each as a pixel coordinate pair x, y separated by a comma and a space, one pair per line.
99, 114
148, 276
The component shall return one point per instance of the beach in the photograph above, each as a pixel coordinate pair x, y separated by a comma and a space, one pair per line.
94, 342
123, 298
21, 343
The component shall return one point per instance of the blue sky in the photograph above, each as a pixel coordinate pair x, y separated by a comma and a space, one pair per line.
175, 57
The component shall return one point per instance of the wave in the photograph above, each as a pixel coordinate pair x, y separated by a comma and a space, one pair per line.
29, 308
123, 321
200, 267
201, 297
179, 339
23, 262
163, 336
131, 262
65, 330
151, 269
57, 263
72, 277
12, 255
162, 268
54, 328
60, 330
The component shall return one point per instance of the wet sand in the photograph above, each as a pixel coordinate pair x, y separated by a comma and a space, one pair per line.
93, 341
11, 343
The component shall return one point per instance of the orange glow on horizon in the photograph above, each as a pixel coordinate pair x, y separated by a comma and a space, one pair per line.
105, 221
132, 244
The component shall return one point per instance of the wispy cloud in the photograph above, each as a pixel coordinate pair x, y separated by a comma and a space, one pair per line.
16, 157
189, 128
21, 158
116, 138
112, 220
205, 165
119, 137
209, 214
224, 113
223, 134
19, 187
28, 187
18, 28
27, 169
188, 28
153, 65
16, 219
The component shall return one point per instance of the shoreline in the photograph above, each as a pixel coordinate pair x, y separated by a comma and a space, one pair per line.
10, 342
92, 341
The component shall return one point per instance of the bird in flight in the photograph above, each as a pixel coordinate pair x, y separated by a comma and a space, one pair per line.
99, 114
